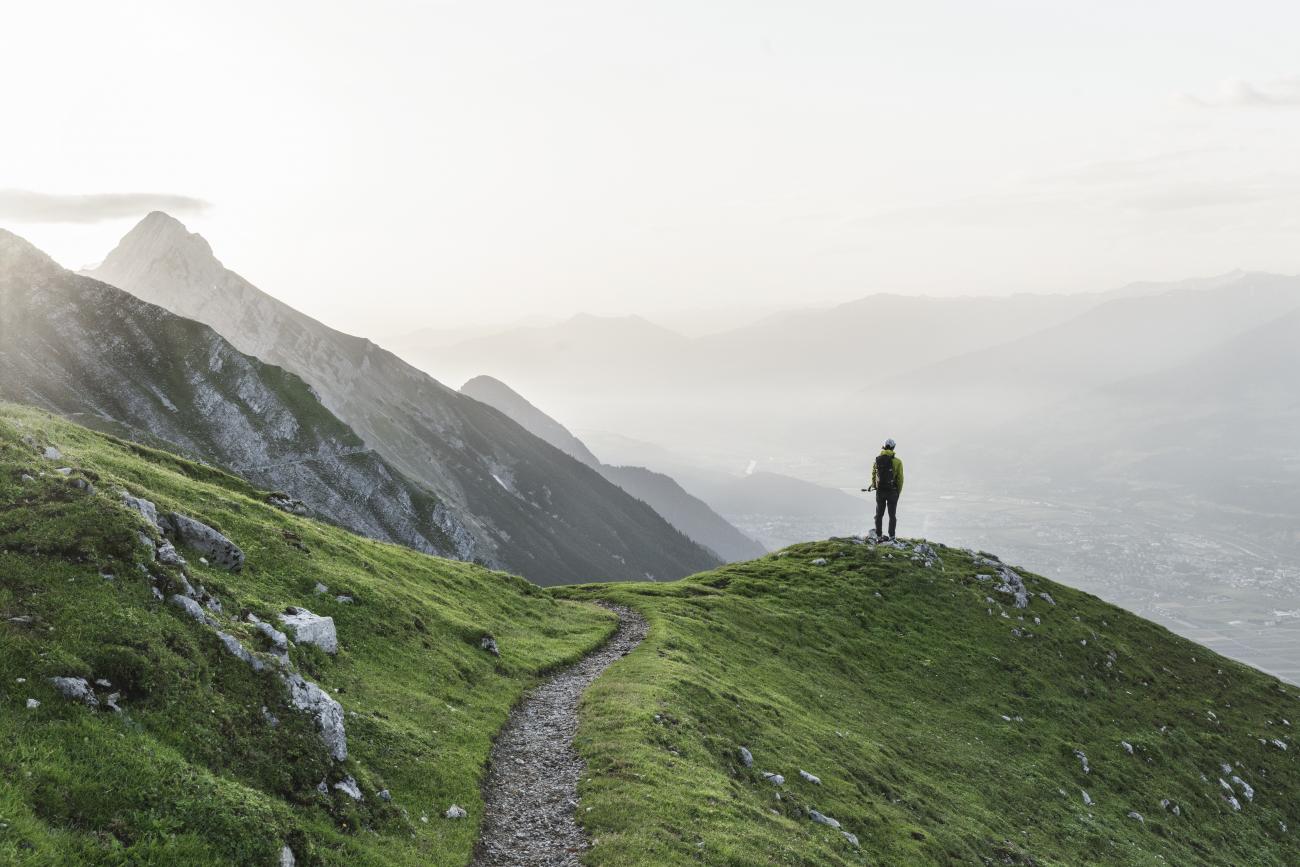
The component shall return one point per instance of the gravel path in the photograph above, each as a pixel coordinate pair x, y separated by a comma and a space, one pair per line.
531, 792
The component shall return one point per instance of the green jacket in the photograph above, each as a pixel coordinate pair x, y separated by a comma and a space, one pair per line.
898, 470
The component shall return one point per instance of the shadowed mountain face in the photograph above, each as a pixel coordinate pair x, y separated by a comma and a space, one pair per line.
81, 348
524, 504
687, 513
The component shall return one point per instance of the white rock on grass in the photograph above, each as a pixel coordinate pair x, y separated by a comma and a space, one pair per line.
774, 779
237, 650
455, 812
76, 689
1246, 788
286, 857
328, 713
198, 536
1087, 799
33, 704
308, 628
192, 608
1128, 747
823, 820
350, 788
52, 454
820, 561
852, 838
816, 781
489, 643
746, 757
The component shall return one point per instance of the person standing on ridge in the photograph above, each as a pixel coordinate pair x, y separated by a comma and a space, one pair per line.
887, 482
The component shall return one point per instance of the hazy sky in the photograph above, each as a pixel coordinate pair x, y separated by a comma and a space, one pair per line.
388, 165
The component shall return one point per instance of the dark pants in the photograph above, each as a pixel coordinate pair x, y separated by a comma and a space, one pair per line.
887, 499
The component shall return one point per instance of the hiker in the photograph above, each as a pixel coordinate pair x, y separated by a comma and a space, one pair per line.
887, 482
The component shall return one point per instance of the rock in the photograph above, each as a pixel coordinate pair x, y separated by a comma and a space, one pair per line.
1233, 802
455, 812
99, 681
271, 719
192, 608
321, 588
488, 643
385, 795
1134, 814
286, 857
774, 779
1047, 597
278, 639
52, 454
112, 700
925, 555
76, 689
820, 561
308, 628
349, 787
286, 503
852, 838
168, 555
1128, 747
1279, 744
816, 781
83, 485
1171, 806
343, 600
237, 650
1246, 788
746, 757
1087, 799
144, 507
26, 479
33, 704
64, 471
1083, 760
328, 713
1013, 585
823, 820
199, 537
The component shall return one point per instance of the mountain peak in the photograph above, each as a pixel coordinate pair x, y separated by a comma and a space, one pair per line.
159, 245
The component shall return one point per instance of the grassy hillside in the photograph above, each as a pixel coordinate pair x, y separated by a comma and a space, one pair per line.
193, 770
942, 721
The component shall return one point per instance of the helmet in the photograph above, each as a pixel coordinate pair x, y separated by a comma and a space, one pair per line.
889, 443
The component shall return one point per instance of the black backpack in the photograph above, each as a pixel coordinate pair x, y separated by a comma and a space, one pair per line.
885, 472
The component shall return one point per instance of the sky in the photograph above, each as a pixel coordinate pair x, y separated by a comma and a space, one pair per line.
388, 166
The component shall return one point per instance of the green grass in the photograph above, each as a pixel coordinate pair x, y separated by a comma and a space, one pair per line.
192, 772
940, 736
890, 682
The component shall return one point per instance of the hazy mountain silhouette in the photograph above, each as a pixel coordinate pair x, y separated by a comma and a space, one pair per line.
685, 512
526, 505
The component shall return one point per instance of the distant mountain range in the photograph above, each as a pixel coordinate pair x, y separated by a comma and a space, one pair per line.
687, 513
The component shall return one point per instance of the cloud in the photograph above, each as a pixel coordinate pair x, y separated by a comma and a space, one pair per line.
27, 206
1281, 93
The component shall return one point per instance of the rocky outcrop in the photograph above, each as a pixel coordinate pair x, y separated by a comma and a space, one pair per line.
197, 536
328, 713
308, 628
